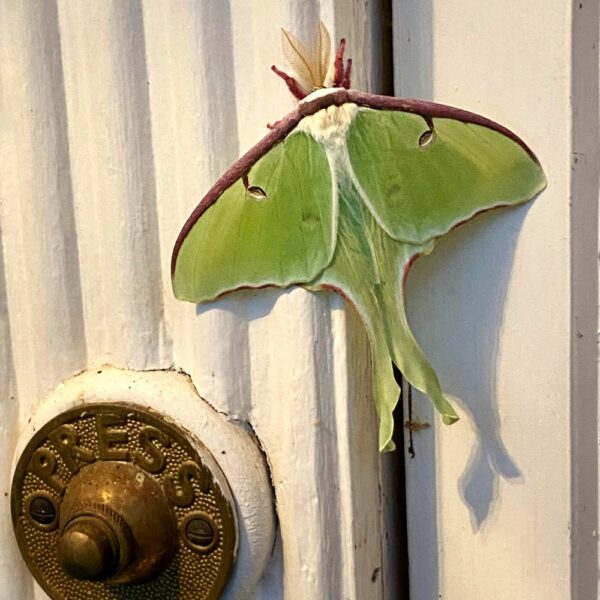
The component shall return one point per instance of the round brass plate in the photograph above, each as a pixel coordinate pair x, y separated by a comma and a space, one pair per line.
73, 485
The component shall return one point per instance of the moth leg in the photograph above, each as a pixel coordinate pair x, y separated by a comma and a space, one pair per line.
346, 80
338, 64
273, 125
292, 84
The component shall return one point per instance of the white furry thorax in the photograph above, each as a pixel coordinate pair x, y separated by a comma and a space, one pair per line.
329, 126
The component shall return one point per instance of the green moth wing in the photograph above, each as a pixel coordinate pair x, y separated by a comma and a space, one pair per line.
417, 170
344, 194
275, 226
431, 174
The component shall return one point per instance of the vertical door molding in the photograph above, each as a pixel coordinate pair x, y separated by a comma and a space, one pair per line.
504, 503
118, 117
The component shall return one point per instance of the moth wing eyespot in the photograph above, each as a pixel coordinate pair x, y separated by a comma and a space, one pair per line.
256, 192
426, 138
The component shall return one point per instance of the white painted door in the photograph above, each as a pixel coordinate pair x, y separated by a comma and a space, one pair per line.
117, 116
504, 504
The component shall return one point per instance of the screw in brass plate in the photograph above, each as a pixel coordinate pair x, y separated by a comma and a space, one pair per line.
42, 511
199, 532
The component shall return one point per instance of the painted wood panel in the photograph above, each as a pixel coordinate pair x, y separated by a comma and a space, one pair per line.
116, 117
504, 503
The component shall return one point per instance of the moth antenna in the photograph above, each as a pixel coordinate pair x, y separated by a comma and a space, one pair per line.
338, 64
291, 83
347, 73
301, 59
322, 51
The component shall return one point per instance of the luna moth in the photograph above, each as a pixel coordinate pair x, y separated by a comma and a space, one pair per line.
344, 194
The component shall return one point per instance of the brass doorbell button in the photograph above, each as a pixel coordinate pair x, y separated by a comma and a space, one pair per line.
113, 501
